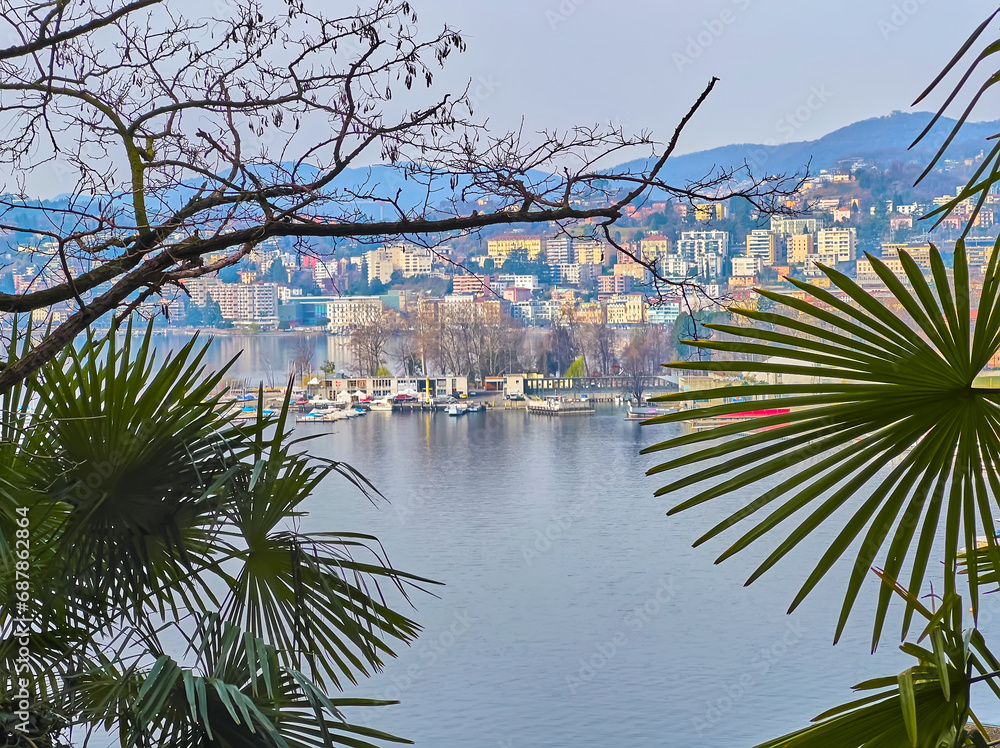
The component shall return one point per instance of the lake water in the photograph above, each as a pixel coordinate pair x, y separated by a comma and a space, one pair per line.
575, 614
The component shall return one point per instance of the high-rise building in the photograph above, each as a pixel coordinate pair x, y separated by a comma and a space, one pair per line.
798, 247
763, 245
705, 250
839, 243
589, 251
696, 244
559, 250
746, 266
241, 303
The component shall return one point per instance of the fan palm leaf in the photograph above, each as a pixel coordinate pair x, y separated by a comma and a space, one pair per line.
877, 420
925, 706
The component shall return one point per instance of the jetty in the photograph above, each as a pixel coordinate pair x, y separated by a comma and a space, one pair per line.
560, 407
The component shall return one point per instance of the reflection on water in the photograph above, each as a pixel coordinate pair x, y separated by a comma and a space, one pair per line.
266, 358
574, 613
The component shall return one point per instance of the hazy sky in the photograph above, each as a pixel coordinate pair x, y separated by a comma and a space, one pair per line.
642, 63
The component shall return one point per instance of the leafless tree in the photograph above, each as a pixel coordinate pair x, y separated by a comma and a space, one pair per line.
183, 142
648, 346
369, 338
600, 341
302, 358
268, 367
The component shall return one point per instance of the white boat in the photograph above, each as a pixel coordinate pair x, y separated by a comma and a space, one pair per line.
457, 409
381, 405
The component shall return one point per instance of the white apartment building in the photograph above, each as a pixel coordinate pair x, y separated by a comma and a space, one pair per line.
763, 245
787, 226
572, 274
326, 270
695, 245
840, 243
517, 281
746, 266
241, 303
559, 250
346, 311
673, 266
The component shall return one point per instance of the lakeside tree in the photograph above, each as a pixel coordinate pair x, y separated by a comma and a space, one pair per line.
886, 445
599, 342
182, 142
369, 338
301, 363
472, 340
641, 356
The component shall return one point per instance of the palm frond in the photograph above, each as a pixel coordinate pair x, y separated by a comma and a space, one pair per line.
879, 425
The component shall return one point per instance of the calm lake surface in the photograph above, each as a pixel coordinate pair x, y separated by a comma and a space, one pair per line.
574, 613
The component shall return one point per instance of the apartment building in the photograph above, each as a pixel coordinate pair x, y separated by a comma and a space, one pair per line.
839, 243
342, 312
746, 266
627, 310
500, 247
589, 251
240, 303
697, 247
763, 245
559, 250
654, 247
798, 248
787, 226
470, 283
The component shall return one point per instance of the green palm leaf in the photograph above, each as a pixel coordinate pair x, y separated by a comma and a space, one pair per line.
149, 509
926, 706
982, 181
885, 430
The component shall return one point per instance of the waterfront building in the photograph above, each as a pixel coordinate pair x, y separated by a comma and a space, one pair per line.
240, 303
341, 312
377, 388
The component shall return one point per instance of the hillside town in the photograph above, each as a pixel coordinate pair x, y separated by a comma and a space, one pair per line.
526, 279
